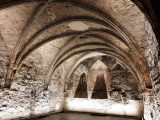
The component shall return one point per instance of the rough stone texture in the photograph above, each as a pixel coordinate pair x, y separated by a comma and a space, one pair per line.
152, 53
151, 108
3, 61
12, 22
122, 79
27, 96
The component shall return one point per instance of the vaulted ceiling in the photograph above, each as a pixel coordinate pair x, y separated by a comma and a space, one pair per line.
49, 42
56, 30
151, 9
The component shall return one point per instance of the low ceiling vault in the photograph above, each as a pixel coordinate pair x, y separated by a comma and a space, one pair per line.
63, 47
80, 27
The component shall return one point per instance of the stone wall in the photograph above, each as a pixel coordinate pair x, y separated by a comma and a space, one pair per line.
19, 24
152, 107
27, 96
124, 89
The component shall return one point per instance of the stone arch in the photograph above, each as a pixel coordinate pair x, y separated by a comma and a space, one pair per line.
135, 42
97, 11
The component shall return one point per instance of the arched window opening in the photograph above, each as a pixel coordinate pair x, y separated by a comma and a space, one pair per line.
99, 91
81, 91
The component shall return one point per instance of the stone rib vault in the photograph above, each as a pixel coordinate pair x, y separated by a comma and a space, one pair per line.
48, 49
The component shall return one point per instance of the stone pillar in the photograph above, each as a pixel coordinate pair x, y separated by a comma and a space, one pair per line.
53, 95
151, 108
156, 92
90, 83
147, 108
108, 83
56, 89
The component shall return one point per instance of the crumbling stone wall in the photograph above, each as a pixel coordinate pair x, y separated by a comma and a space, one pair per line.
122, 80
26, 93
27, 96
152, 52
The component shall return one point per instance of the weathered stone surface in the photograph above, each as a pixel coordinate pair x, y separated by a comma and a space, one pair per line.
45, 45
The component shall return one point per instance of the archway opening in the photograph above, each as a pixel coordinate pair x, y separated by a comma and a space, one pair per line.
81, 91
100, 91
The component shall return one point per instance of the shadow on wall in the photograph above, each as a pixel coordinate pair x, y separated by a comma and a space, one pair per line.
81, 91
99, 91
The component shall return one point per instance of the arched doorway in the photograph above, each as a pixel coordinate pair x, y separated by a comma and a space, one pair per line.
81, 91
99, 91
